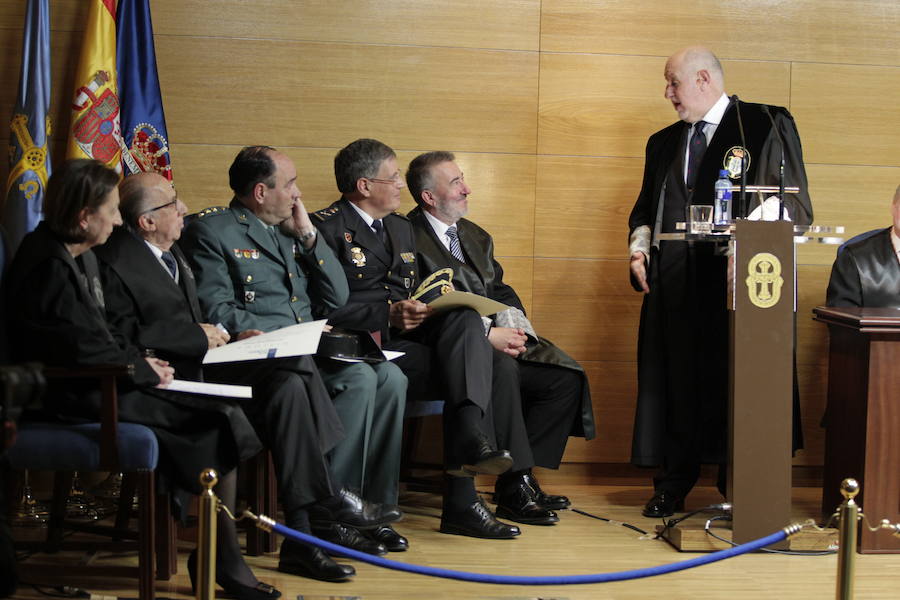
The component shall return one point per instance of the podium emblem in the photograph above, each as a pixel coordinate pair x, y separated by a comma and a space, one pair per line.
764, 280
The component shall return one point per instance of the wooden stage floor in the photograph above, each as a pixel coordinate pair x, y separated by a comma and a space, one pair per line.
576, 545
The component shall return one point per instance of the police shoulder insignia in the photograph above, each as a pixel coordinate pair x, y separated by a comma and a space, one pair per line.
327, 212
211, 211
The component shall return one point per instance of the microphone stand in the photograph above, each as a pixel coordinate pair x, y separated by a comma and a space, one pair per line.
744, 207
765, 109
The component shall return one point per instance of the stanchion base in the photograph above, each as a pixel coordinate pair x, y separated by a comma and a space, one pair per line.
695, 539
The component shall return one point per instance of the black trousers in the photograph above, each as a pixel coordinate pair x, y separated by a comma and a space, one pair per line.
448, 357
551, 403
294, 417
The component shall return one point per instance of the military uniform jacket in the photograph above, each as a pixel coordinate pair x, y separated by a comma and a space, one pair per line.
247, 280
866, 273
377, 276
145, 303
483, 275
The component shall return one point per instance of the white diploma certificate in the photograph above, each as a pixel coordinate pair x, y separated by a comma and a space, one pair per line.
294, 340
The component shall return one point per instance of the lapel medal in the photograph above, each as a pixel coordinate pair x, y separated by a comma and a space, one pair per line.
357, 256
347, 237
408, 257
237, 252
254, 254
733, 159
249, 297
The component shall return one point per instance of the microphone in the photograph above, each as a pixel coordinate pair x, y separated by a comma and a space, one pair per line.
765, 109
737, 106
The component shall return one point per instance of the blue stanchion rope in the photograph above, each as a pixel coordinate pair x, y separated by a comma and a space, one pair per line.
536, 580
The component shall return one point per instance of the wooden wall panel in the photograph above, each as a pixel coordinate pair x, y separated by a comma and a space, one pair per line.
326, 95
587, 307
831, 31
512, 24
613, 391
846, 113
857, 197
583, 205
603, 105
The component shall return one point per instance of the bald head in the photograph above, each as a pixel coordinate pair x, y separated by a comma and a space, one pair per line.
694, 82
151, 209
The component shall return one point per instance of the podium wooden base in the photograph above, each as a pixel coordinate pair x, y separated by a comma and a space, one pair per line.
695, 539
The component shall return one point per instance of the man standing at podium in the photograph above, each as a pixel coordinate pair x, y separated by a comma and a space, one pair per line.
683, 344
866, 271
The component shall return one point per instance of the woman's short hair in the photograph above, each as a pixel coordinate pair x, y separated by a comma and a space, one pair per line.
77, 184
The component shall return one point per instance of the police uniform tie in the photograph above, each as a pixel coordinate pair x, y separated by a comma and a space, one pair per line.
455, 248
696, 150
378, 226
169, 260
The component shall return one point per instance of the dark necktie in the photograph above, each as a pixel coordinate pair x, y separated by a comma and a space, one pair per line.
696, 150
378, 226
169, 261
455, 248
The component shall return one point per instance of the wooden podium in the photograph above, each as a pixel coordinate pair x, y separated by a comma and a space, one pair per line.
863, 416
762, 303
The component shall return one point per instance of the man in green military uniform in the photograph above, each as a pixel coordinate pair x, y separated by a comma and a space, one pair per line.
260, 266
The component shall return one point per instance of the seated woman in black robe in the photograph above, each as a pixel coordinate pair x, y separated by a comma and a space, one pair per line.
56, 316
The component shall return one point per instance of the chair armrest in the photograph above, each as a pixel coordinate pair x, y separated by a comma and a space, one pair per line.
109, 415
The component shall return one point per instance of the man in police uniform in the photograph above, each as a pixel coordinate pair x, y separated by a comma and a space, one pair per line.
680, 421
260, 266
483, 408
554, 388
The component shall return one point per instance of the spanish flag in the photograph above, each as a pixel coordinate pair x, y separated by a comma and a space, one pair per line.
95, 129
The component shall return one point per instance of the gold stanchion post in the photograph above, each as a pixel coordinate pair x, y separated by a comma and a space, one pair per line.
849, 515
206, 537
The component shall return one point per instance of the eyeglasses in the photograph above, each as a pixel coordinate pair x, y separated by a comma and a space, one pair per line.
150, 210
395, 180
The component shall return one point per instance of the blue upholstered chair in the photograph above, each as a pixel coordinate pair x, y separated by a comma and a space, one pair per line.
105, 446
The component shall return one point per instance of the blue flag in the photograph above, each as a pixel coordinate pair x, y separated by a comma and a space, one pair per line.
142, 119
29, 159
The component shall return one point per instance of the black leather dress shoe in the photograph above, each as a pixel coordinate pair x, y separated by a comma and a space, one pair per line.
392, 540
234, 589
312, 562
349, 538
347, 508
663, 504
550, 501
516, 501
483, 459
477, 521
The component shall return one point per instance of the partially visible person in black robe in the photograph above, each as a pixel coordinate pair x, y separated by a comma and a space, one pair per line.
866, 271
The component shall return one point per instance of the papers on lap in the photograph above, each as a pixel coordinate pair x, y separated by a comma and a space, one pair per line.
295, 340
457, 299
210, 389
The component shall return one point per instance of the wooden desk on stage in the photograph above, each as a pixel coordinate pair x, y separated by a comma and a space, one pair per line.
863, 416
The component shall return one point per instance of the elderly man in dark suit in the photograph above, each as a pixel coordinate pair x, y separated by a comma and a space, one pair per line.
151, 298
866, 272
447, 352
556, 401
680, 420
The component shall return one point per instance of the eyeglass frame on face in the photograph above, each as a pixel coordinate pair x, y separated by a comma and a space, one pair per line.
397, 179
170, 203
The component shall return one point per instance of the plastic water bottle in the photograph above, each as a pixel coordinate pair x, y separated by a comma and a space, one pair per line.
722, 210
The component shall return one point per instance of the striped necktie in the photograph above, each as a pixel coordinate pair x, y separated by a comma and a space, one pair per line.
455, 248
